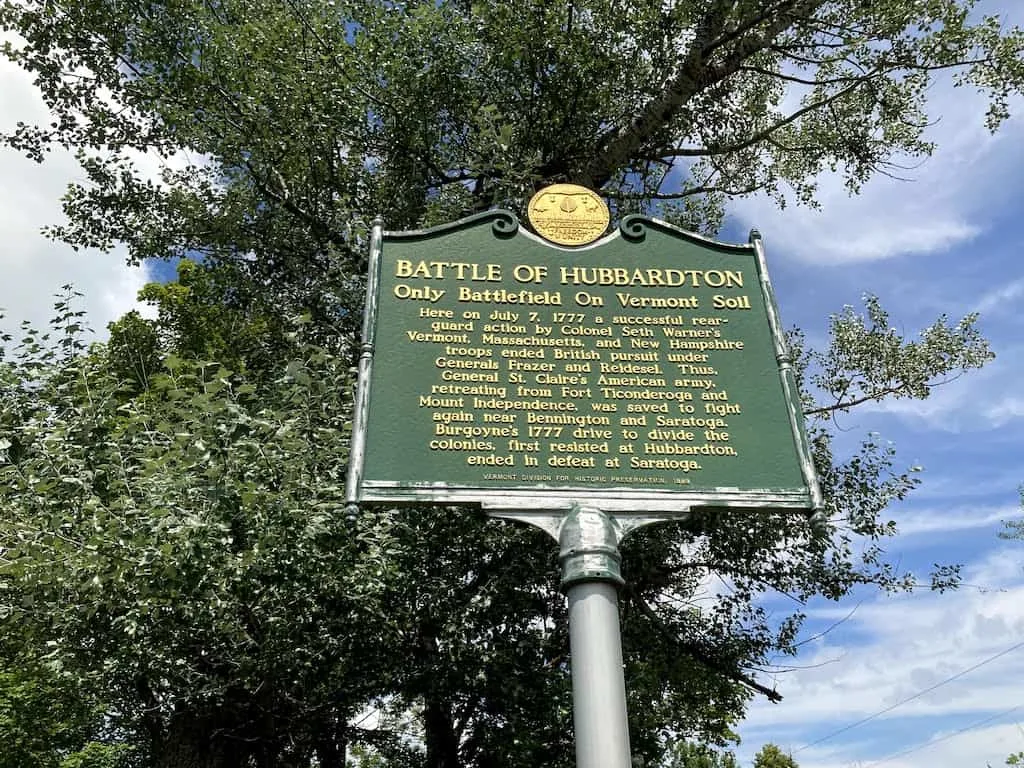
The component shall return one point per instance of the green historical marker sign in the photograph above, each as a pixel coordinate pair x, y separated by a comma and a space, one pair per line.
646, 372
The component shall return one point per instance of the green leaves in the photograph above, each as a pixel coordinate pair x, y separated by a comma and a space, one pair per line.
44, 724
1014, 528
869, 360
171, 502
312, 116
189, 537
770, 756
685, 754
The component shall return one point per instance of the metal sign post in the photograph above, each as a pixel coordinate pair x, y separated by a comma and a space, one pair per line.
589, 555
588, 541
598, 684
586, 389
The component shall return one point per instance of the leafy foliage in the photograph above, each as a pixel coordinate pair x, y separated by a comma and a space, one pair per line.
870, 361
688, 754
770, 756
171, 503
40, 720
425, 111
208, 582
204, 562
1014, 528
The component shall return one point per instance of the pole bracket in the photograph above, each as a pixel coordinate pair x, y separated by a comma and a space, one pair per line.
589, 547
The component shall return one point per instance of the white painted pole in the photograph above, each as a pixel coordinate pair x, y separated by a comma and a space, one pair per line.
598, 684
590, 579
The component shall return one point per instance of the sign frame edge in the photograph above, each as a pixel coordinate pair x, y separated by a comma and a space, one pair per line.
505, 224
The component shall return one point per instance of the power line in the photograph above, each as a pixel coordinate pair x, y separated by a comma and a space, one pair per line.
917, 695
941, 739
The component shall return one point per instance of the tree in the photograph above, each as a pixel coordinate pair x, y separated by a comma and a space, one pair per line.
172, 553
770, 756
462, 106
1016, 759
43, 724
688, 754
309, 117
1014, 528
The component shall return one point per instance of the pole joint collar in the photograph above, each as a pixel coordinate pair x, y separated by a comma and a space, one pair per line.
589, 547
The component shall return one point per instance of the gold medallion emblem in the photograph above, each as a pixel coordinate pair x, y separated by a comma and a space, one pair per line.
568, 214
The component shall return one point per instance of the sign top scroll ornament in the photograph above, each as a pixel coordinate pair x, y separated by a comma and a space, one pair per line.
568, 214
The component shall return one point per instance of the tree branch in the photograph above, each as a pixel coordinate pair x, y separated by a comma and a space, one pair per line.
840, 405
699, 655
702, 189
282, 197
694, 75
687, 82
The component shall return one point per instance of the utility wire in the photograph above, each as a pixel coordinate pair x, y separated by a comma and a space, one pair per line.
917, 695
941, 739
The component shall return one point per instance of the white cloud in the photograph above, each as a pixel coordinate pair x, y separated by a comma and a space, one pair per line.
947, 520
947, 203
981, 401
976, 747
979, 482
33, 267
1004, 410
1001, 299
891, 649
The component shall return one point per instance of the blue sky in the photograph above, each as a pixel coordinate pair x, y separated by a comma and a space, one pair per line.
949, 241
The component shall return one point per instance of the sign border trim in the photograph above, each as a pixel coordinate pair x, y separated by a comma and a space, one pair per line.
505, 224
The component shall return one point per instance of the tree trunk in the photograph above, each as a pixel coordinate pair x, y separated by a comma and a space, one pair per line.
442, 743
199, 741
330, 750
